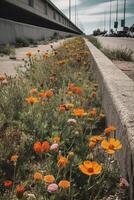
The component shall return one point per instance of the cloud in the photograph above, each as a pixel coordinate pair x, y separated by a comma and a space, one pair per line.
91, 12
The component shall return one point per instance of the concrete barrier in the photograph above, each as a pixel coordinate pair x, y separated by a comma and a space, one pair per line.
117, 92
10, 31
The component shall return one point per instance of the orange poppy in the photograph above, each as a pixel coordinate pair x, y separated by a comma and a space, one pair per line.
93, 94
37, 147
110, 129
111, 145
91, 145
49, 178
45, 146
20, 188
31, 100
92, 113
96, 138
56, 139
77, 90
14, 158
64, 184
33, 90
93, 140
90, 168
62, 161
49, 93
62, 108
79, 112
29, 54
8, 183
42, 94
2, 77
38, 176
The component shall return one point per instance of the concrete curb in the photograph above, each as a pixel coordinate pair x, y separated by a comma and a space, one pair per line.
117, 92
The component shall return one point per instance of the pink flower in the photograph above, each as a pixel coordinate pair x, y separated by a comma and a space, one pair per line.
54, 147
71, 121
52, 188
124, 183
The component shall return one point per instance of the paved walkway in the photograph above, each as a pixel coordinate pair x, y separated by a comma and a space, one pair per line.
120, 43
8, 66
117, 43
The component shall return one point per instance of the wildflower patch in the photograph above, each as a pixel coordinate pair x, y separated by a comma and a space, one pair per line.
55, 142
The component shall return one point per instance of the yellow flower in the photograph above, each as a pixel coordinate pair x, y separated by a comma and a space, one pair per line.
90, 168
31, 100
111, 145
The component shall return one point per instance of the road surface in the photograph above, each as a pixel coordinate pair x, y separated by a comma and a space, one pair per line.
8, 66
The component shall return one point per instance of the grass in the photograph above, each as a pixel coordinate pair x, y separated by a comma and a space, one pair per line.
95, 41
114, 54
119, 54
7, 49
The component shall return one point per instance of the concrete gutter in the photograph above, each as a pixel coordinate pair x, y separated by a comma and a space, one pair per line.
117, 92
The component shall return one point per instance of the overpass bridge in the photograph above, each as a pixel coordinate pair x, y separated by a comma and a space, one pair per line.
33, 19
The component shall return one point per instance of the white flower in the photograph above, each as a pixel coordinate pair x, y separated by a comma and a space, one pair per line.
71, 121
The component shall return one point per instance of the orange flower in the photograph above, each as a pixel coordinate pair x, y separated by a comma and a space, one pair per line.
37, 147
2, 77
76, 90
33, 90
49, 93
62, 108
62, 161
111, 145
56, 139
110, 129
64, 184
14, 158
79, 112
31, 100
45, 55
91, 145
93, 94
8, 183
92, 113
45, 146
29, 54
90, 168
20, 189
49, 178
96, 138
93, 140
71, 86
38, 176
42, 94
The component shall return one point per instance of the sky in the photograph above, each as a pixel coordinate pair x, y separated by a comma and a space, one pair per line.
91, 13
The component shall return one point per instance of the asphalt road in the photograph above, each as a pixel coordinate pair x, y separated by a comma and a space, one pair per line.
117, 43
